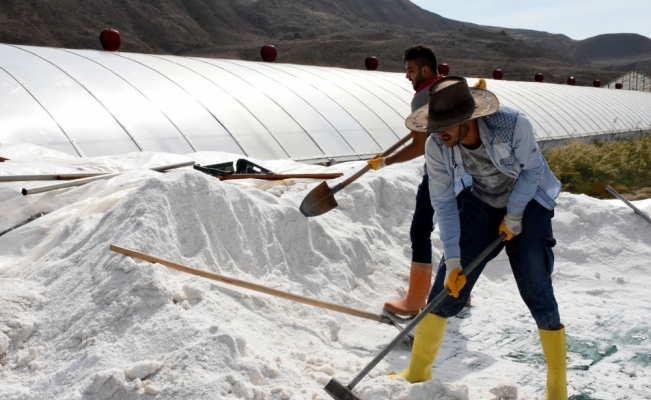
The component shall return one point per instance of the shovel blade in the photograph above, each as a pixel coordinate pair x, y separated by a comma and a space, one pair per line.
338, 391
319, 201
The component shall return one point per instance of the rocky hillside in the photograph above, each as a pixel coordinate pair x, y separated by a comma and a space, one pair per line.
321, 32
615, 52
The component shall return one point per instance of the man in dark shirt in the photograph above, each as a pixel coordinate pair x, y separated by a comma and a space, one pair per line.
420, 64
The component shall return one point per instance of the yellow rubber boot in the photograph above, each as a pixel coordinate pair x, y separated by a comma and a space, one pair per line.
427, 341
420, 279
555, 350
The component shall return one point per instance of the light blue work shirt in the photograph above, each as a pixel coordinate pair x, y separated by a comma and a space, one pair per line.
509, 139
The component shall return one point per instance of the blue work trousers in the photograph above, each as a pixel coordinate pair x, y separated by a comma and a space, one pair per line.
422, 225
530, 255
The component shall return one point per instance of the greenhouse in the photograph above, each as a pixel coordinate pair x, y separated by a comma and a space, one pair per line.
634, 80
92, 103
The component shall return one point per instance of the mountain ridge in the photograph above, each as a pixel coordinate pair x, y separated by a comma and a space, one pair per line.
319, 32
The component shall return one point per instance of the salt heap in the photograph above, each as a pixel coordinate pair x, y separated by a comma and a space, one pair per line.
79, 321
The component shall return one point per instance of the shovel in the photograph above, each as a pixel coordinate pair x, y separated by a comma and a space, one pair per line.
322, 198
340, 392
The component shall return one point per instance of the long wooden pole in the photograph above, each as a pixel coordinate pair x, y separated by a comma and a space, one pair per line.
252, 286
279, 177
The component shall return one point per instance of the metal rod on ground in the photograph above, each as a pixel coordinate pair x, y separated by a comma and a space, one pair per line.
48, 177
79, 182
340, 392
253, 286
628, 203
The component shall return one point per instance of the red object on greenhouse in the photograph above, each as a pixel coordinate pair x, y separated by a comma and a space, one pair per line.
539, 77
110, 39
444, 69
596, 83
571, 80
268, 53
619, 85
371, 63
498, 74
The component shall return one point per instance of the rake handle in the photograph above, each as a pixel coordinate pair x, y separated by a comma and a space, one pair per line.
252, 286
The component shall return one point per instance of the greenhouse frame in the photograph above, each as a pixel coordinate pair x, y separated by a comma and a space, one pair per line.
96, 103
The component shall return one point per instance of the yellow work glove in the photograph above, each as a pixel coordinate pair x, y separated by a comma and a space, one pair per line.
511, 225
480, 84
376, 162
454, 278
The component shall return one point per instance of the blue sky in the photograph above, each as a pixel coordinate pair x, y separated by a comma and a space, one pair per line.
578, 19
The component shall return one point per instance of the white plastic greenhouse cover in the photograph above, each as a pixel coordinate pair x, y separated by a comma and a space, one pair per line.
634, 80
93, 103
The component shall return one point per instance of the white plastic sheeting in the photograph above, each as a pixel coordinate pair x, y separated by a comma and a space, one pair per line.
92, 103
634, 80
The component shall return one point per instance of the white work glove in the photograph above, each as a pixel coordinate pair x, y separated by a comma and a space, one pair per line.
511, 225
454, 278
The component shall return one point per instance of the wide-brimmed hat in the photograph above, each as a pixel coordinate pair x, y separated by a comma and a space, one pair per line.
452, 102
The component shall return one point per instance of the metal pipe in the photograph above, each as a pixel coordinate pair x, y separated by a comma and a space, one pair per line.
628, 203
79, 182
435, 301
48, 177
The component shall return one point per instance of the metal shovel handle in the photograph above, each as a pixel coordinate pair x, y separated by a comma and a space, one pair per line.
628, 203
439, 298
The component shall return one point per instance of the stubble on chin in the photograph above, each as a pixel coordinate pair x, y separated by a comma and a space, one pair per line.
417, 82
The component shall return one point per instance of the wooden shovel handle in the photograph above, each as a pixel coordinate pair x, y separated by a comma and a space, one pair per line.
248, 285
279, 177
364, 170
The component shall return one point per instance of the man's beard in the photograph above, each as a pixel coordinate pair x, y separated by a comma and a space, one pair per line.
418, 81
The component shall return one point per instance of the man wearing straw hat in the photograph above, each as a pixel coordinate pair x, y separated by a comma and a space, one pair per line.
513, 193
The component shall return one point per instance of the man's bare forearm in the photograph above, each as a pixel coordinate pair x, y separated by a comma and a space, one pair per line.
415, 148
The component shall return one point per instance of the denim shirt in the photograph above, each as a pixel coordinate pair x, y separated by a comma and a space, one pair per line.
510, 142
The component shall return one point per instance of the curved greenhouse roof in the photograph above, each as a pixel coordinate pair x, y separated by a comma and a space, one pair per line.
92, 103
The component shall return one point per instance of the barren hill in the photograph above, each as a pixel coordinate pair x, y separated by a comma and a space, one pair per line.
622, 51
321, 32
179, 26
